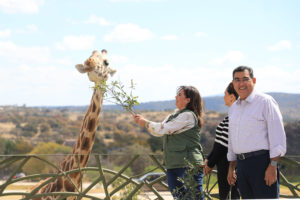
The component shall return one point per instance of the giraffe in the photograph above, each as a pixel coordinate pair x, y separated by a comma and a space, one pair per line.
98, 70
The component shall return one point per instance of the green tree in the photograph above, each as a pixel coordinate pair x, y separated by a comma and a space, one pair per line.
156, 143
2, 145
99, 146
30, 127
46, 151
9, 147
44, 127
140, 164
22, 147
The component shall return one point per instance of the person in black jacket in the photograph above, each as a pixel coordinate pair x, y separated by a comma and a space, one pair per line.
218, 155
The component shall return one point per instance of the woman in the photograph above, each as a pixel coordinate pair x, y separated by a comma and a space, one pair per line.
218, 155
181, 139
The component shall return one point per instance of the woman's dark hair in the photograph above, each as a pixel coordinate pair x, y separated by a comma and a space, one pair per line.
196, 102
230, 89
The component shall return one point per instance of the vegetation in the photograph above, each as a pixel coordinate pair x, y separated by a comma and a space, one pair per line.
116, 93
54, 131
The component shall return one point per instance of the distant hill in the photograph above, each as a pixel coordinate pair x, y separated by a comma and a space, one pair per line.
289, 105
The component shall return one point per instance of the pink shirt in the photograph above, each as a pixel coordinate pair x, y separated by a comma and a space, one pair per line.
256, 124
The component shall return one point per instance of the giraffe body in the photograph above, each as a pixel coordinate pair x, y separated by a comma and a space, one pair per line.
98, 70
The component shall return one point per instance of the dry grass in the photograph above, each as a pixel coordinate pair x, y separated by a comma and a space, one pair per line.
6, 127
73, 116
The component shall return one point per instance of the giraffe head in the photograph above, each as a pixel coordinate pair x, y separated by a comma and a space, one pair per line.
97, 67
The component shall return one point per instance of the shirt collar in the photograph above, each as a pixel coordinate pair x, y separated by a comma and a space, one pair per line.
249, 99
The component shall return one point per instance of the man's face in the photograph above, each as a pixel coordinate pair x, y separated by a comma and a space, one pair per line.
243, 83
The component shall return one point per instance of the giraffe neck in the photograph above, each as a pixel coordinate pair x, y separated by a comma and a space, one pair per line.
85, 141
81, 150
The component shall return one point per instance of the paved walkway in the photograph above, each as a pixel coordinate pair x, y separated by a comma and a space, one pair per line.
145, 196
150, 196
24, 186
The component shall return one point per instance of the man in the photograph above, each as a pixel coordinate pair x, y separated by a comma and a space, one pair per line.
256, 139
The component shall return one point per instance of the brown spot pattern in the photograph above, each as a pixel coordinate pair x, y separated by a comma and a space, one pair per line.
86, 158
93, 136
59, 184
91, 125
73, 175
69, 186
94, 107
53, 187
85, 144
81, 158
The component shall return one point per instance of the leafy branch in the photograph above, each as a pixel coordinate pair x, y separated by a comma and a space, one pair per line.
115, 92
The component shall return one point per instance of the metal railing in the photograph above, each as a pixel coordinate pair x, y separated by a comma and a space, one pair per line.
115, 183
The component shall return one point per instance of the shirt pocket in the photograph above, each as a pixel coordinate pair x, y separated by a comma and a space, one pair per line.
195, 156
255, 124
177, 154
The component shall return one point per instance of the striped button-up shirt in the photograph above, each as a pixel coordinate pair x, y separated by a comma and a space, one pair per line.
256, 124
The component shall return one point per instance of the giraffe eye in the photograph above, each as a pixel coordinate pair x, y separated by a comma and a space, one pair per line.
106, 63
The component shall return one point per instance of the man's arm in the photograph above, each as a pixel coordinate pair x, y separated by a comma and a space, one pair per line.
277, 139
271, 172
231, 176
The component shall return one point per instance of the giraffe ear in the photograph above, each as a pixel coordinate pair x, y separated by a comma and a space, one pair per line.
80, 68
112, 71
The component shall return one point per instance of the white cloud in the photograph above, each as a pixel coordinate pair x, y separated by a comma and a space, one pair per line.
118, 59
230, 57
160, 82
28, 29
116, 1
169, 37
5, 33
200, 34
137, 1
267, 79
20, 6
63, 61
32, 27
128, 33
281, 45
44, 85
97, 20
73, 42
19, 54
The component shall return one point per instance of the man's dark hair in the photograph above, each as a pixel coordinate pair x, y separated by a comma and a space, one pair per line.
241, 69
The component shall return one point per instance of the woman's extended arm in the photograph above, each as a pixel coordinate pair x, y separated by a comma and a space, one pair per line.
182, 122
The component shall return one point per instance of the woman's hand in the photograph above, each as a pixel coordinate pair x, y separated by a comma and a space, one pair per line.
207, 169
139, 120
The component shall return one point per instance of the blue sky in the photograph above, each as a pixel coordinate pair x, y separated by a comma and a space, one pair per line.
160, 44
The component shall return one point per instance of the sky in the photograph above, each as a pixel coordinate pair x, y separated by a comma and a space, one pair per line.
159, 44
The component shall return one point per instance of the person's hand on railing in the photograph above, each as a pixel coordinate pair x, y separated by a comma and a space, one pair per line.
207, 169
